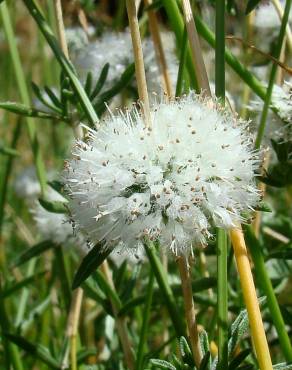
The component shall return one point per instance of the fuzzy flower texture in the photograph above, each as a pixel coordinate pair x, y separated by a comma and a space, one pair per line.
192, 170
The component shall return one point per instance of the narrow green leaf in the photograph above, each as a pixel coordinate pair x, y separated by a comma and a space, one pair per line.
8, 151
251, 5
204, 365
34, 251
161, 364
90, 263
100, 82
54, 99
54, 206
283, 366
119, 86
263, 207
238, 359
25, 111
24, 282
36, 350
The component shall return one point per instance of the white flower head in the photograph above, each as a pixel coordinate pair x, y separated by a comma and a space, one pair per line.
171, 183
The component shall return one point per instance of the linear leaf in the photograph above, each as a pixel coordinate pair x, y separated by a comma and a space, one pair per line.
90, 263
53, 206
34, 251
26, 111
36, 350
251, 6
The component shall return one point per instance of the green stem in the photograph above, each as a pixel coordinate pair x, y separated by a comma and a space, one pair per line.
24, 95
177, 23
6, 174
222, 300
219, 50
161, 278
11, 352
276, 55
267, 287
222, 250
146, 316
63, 61
182, 62
24, 295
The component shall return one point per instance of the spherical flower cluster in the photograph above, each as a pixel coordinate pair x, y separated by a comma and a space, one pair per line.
193, 169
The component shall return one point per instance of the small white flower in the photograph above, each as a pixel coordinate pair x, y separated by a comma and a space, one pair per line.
193, 169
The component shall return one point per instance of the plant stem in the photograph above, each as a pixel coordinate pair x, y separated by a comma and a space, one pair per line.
24, 95
182, 62
139, 62
146, 316
280, 11
190, 309
159, 52
161, 278
63, 61
120, 321
4, 184
61, 28
194, 41
250, 298
73, 321
222, 299
177, 24
267, 287
222, 250
276, 55
220, 50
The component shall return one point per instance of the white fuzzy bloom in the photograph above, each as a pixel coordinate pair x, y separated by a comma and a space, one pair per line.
117, 50
192, 170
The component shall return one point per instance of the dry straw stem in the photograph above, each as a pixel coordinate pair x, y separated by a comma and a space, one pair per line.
61, 28
250, 298
280, 11
194, 41
190, 309
72, 327
159, 52
139, 62
240, 252
120, 322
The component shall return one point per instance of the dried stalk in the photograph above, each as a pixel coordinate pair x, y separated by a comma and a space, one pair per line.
194, 41
190, 309
139, 62
72, 326
61, 28
159, 52
250, 298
